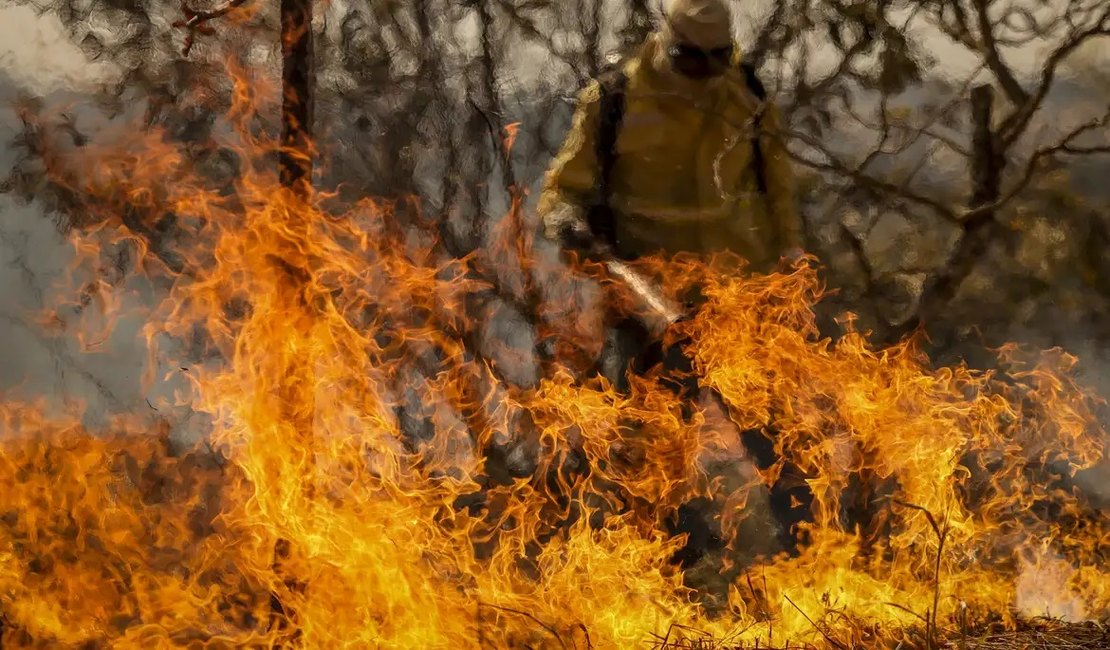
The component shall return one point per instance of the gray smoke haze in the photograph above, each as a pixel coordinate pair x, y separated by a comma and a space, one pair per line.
101, 376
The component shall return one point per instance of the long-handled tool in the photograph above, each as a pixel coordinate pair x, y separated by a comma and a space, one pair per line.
656, 312
650, 306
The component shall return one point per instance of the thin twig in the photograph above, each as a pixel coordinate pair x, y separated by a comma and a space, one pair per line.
1064, 145
196, 22
908, 611
817, 627
537, 621
942, 535
1015, 125
586, 631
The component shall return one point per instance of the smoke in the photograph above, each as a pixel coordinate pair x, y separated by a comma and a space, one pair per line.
1094, 372
96, 370
38, 57
60, 356
1044, 589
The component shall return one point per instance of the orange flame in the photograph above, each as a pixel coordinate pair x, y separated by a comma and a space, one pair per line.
321, 524
511, 131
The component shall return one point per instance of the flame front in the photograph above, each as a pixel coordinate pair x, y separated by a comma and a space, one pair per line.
301, 330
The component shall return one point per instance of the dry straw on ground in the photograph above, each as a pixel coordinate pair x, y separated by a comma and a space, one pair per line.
1036, 634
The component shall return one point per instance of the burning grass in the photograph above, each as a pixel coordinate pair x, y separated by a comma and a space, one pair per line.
1033, 634
312, 516
1039, 635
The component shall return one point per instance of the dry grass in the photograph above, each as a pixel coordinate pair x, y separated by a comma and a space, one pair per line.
1041, 634
1037, 634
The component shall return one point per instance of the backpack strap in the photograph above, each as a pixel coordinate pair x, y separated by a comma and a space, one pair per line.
611, 106
755, 85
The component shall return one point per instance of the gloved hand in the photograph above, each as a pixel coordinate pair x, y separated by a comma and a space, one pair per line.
566, 223
791, 258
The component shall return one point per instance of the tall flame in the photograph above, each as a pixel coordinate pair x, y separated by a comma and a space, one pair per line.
319, 523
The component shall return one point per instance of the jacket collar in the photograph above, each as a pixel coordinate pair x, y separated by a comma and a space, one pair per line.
653, 68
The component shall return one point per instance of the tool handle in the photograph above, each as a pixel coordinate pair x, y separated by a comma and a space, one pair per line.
651, 306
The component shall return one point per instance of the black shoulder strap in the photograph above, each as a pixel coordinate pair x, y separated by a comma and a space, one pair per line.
611, 112
755, 85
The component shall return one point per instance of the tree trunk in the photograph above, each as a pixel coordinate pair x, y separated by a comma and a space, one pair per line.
295, 160
987, 162
987, 165
986, 179
295, 173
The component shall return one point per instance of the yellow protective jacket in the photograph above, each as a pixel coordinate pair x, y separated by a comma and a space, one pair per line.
684, 180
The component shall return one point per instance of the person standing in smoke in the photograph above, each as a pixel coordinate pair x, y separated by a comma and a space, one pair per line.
676, 150
690, 149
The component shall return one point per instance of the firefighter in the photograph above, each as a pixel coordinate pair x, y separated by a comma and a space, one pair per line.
677, 151
689, 147
674, 151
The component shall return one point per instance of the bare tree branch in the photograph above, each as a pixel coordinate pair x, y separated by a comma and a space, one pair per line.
1015, 125
839, 167
530, 29
196, 22
1041, 155
1001, 71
